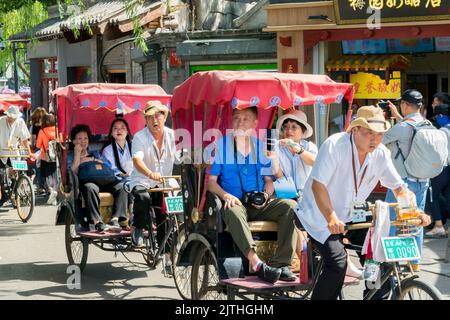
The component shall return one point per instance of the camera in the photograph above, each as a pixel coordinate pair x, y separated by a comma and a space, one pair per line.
384, 105
257, 198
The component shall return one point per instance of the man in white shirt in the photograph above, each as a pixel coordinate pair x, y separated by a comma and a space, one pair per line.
13, 131
347, 168
153, 156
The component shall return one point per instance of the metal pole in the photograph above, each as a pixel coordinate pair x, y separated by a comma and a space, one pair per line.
100, 65
16, 76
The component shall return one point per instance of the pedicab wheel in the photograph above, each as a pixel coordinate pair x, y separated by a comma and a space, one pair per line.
24, 198
417, 290
205, 277
181, 274
77, 247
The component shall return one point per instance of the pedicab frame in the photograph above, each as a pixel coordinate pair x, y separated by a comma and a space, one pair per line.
96, 104
205, 101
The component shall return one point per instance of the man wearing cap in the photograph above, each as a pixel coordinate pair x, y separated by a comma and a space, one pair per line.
398, 140
347, 168
153, 151
13, 131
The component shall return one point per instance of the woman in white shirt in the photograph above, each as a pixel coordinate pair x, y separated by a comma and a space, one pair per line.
296, 155
117, 149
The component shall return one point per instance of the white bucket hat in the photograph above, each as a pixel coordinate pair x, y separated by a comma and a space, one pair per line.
299, 116
13, 112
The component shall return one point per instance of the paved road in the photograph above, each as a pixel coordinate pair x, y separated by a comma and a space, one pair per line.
33, 265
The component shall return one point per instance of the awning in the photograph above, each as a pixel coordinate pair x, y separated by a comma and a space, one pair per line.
368, 63
9, 99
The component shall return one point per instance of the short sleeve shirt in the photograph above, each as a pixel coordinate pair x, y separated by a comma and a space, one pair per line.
14, 134
249, 170
333, 168
293, 165
144, 148
400, 135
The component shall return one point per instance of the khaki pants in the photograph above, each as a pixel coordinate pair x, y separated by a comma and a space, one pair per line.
279, 211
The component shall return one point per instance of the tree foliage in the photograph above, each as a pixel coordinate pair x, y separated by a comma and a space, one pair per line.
21, 19
22, 15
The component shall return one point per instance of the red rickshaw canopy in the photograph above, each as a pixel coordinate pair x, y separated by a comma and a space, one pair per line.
206, 95
95, 101
262, 89
11, 99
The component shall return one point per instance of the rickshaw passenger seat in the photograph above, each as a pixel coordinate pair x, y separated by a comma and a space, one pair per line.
106, 205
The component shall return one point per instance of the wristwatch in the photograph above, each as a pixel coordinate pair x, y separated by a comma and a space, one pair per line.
301, 151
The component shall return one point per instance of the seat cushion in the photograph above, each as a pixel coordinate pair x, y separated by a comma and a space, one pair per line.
106, 199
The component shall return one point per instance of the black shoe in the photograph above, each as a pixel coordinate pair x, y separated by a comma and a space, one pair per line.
268, 273
100, 227
113, 226
287, 274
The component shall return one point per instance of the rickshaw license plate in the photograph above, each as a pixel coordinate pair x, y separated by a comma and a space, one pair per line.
19, 165
174, 204
400, 248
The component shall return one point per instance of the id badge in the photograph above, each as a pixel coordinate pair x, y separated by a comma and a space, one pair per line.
357, 212
371, 270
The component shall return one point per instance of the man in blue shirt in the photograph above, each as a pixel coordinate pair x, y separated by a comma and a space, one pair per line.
241, 177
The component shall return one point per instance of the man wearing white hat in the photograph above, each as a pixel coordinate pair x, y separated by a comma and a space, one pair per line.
347, 168
13, 131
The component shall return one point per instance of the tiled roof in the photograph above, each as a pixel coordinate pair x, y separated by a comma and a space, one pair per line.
102, 10
97, 13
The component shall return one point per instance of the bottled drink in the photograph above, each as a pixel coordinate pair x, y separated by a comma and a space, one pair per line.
304, 274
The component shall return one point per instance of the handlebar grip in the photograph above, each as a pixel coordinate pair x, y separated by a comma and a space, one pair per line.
358, 226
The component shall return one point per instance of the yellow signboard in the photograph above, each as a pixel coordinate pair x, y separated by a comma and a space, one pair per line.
371, 86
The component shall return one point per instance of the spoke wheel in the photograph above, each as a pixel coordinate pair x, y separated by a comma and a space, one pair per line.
24, 198
181, 274
77, 247
205, 277
418, 290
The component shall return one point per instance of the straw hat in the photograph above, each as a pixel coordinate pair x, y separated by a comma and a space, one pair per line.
299, 116
13, 112
370, 117
155, 106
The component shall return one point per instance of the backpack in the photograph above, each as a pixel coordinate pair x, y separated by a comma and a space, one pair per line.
429, 151
50, 152
446, 129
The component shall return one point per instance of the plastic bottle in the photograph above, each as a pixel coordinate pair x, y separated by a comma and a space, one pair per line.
304, 274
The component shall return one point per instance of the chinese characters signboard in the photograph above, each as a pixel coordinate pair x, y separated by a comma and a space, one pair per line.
371, 86
355, 11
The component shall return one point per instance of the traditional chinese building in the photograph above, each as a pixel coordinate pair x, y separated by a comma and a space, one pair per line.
382, 46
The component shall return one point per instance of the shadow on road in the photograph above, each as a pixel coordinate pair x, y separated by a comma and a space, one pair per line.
98, 281
20, 228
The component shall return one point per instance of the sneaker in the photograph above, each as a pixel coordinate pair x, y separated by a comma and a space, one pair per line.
137, 238
100, 227
268, 273
436, 232
287, 274
114, 226
353, 271
52, 199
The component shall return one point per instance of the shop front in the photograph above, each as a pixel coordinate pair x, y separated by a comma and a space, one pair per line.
382, 46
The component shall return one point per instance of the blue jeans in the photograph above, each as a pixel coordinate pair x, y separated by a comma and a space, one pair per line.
420, 190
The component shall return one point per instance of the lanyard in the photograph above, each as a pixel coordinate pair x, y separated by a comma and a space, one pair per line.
155, 149
239, 170
354, 170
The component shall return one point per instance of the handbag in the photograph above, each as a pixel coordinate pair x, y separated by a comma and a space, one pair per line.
285, 188
96, 172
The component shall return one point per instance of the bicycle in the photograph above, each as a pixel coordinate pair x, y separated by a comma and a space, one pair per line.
404, 283
18, 185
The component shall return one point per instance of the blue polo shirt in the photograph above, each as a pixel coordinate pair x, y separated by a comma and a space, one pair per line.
251, 168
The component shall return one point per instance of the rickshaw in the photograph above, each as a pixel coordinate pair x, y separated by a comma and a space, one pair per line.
97, 105
18, 184
218, 270
205, 102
